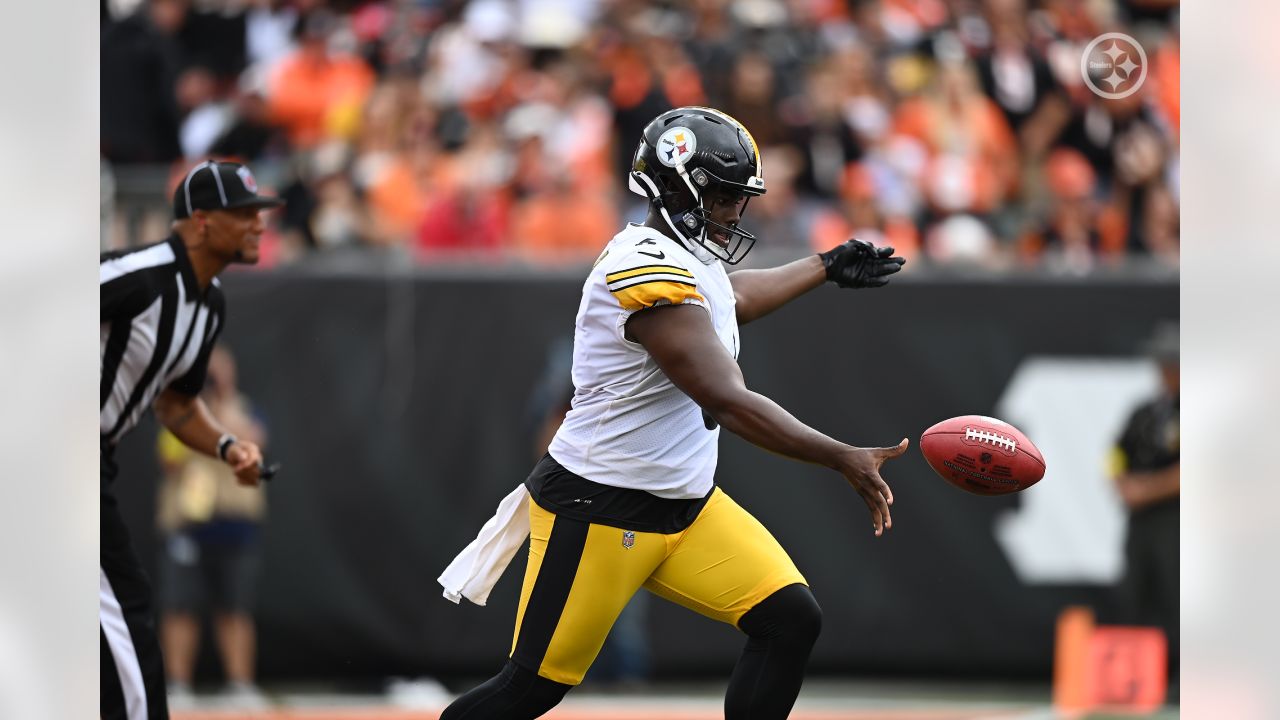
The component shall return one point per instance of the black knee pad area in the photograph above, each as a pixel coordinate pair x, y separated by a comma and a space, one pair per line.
791, 614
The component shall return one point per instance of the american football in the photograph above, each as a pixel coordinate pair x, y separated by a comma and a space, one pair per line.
982, 455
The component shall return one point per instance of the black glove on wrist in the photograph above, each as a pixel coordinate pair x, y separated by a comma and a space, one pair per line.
859, 264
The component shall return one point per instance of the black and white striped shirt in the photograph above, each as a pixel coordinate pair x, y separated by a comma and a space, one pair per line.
157, 330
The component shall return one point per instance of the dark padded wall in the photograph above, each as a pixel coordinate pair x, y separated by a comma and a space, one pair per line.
399, 407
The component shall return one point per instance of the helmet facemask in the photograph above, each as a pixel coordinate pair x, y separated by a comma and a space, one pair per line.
698, 225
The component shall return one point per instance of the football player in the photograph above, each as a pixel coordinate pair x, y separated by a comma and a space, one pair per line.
625, 497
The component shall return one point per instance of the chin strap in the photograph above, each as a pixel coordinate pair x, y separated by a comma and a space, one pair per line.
642, 182
692, 221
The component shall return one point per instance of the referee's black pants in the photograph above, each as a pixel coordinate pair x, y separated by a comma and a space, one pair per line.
131, 665
1149, 589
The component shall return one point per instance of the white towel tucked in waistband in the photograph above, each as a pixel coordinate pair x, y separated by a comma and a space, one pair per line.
477, 568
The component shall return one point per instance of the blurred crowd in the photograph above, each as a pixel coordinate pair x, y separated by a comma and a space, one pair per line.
960, 131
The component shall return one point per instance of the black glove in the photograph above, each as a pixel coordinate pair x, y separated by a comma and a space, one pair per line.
859, 264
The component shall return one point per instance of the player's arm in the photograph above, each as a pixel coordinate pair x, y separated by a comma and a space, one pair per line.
760, 292
852, 264
1139, 489
681, 340
189, 419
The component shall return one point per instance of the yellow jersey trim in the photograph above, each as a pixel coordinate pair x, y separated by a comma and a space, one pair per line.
648, 294
646, 270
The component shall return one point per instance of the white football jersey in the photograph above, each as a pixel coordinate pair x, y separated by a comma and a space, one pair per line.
629, 427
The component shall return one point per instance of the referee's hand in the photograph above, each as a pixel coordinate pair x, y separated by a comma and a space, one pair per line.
245, 459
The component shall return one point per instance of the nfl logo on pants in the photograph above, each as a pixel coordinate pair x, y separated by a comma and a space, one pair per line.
628, 538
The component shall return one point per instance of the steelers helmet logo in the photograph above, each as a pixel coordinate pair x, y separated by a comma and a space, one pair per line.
246, 177
676, 146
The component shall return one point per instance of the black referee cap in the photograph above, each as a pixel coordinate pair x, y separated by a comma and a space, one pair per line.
218, 186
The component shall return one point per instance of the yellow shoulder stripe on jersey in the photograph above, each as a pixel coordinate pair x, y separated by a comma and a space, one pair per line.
648, 294
645, 270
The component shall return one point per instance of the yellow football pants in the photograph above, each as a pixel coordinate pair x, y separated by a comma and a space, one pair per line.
581, 575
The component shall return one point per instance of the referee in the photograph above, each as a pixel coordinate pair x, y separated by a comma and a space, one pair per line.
162, 311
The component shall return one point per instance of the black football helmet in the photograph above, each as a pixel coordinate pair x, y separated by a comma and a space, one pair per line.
686, 154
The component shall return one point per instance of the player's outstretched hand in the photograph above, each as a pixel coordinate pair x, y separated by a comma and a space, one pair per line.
245, 459
859, 264
861, 467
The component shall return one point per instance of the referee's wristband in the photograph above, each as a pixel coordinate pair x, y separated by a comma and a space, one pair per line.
224, 444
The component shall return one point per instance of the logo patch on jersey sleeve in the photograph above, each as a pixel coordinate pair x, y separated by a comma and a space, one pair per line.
628, 539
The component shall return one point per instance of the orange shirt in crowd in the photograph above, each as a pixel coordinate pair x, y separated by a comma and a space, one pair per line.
395, 199
1166, 72
831, 227
633, 79
559, 222
975, 138
313, 98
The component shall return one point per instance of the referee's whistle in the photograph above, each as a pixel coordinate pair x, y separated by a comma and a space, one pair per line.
267, 472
